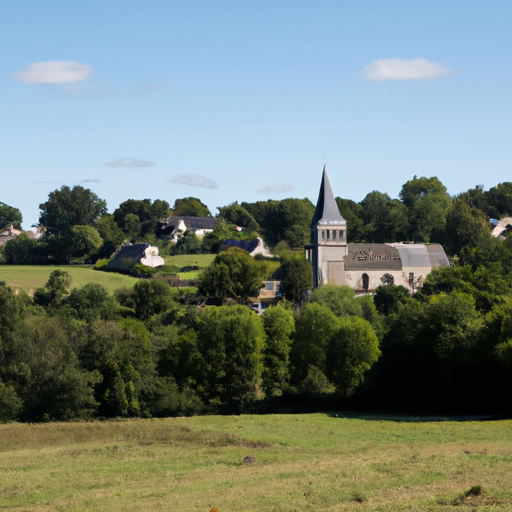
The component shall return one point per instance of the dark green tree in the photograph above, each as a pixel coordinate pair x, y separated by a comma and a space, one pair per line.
92, 301
54, 290
385, 219
467, 228
238, 215
24, 250
230, 340
387, 298
352, 213
351, 352
297, 277
190, 207
314, 327
137, 217
9, 215
428, 205
500, 200
68, 207
189, 243
151, 297
279, 326
233, 274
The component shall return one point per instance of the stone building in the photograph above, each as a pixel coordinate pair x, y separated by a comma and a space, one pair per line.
363, 266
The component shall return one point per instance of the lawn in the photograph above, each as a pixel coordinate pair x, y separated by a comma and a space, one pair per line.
279, 463
30, 277
190, 260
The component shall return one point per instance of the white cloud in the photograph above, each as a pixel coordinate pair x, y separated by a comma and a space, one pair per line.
279, 188
54, 72
400, 69
130, 162
193, 180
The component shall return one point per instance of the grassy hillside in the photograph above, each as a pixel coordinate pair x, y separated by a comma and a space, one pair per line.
30, 277
189, 260
292, 463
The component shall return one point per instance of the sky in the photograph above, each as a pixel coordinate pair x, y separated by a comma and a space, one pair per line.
245, 101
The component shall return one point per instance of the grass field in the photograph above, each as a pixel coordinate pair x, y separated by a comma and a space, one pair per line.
292, 463
30, 277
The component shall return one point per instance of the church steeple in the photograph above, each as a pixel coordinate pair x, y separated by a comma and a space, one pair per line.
327, 211
328, 246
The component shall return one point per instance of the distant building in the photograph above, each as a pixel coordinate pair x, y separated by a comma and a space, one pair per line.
363, 267
8, 234
501, 227
253, 247
133, 254
174, 226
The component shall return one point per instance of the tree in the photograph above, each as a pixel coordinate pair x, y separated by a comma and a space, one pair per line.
92, 302
466, 229
137, 217
151, 297
9, 215
314, 327
46, 373
238, 215
112, 235
352, 213
84, 241
388, 297
279, 326
283, 220
351, 352
24, 250
212, 241
341, 300
68, 207
297, 277
190, 207
230, 340
500, 199
428, 205
232, 274
476, 198
189, 243
385, 219
55, 288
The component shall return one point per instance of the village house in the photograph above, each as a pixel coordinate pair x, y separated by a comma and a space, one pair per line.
175, 226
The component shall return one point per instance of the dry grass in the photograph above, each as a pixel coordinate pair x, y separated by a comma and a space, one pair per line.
306, 462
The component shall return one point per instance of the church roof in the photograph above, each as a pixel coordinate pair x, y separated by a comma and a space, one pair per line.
327, 211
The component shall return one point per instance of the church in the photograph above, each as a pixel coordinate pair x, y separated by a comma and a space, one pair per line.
363, 266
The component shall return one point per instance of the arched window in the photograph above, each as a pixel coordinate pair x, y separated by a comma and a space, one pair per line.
366, 281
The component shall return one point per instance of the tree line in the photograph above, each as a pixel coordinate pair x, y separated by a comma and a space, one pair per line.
77, 227
149, 351
84, 353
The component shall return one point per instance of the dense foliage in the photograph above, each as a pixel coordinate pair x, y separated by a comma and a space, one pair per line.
72, 353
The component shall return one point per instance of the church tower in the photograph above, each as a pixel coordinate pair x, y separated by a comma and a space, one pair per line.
328, 245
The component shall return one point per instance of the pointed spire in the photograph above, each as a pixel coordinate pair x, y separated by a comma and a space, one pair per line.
327, 211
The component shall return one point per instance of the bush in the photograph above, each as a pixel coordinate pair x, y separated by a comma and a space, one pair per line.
140, 270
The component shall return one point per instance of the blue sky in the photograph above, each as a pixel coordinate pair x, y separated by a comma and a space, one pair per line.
245, 101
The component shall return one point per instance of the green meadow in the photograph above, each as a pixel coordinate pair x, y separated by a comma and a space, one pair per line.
282, 463
30, 277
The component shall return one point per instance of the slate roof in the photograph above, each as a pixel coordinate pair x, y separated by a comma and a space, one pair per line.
395, 256
327, 212
193, 222
128, 256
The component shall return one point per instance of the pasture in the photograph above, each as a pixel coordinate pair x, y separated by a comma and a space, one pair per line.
30, 277
279, 463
